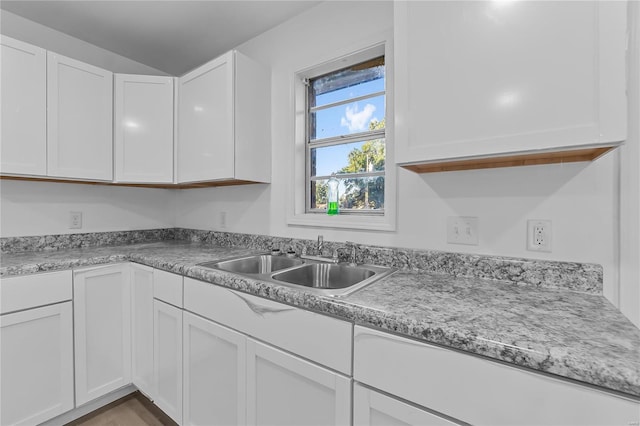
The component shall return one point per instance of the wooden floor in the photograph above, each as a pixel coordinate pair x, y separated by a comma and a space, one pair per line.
132, 410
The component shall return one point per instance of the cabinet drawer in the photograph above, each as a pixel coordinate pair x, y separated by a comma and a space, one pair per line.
29, 291
313, 336
480, 391
167, 287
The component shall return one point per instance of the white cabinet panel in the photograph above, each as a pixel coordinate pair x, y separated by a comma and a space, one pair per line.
143, 128
142, 328
214, 374
205, 122
483, 78
167, 359
24, 108
167, 287
479, 391
30, 291
285, 390
79, 119
224, 121
36, 364
313, 336
371, 408
102, 324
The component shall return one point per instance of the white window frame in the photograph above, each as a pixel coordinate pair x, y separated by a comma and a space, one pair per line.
297, 214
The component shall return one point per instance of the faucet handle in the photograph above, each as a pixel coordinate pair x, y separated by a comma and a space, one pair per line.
354, 248
334, 255
304, 251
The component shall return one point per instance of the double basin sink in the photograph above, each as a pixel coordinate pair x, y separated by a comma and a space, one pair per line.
331, 279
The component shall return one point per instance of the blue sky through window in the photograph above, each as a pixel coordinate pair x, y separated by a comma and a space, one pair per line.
346, 119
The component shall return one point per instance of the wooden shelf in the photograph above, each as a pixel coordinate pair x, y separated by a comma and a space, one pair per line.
515, 160
136, 185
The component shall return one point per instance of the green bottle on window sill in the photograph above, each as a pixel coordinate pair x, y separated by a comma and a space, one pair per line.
332, 195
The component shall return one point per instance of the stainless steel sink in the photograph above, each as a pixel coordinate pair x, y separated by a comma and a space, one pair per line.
332, 279
259, 264
329, 279
325, 275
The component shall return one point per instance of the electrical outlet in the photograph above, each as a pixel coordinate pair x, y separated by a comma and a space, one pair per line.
539, 235
223, 219
462, 230
75, 220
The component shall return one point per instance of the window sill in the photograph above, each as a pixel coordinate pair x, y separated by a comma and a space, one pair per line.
379, 223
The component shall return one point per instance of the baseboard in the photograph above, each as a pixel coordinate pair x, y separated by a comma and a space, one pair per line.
89, 407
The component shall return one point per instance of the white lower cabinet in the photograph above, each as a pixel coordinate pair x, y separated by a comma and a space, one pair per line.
214, 373
102, 325
478, 391
283, 389
36, 364
167, 358
142, 328
375, 409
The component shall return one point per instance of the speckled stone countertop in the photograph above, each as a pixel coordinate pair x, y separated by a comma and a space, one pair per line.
571, 334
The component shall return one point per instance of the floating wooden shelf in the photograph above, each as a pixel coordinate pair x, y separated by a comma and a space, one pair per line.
520, 159
136, 185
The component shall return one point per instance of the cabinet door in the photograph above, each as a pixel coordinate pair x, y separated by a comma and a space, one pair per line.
214, 374
285, 390
478, 391
24, 108
102, 324
142, 328
483, 78
79, 119
205, 122
36, 364
372, 408
167, 359
143, 128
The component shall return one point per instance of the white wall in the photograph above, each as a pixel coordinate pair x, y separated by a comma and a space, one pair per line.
580, 198
38, 208
17, 27
630, 183
41, 208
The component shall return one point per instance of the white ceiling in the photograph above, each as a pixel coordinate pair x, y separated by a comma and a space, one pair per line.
171, 36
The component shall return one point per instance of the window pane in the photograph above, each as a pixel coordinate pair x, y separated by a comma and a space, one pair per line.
354, 117
363, 193
359, 193
365, 156
351, 92
357, 80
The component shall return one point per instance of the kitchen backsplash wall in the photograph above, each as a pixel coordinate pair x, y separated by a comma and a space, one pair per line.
583, 277
83, 240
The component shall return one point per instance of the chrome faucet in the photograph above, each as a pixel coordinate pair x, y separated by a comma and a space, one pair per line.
354, 252
319, 256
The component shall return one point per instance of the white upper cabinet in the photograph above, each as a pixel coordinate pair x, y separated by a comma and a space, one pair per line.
143, 128
24, 112
224, 121
79, 119
489, 78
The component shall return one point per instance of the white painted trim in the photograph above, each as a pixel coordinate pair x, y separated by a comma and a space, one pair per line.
87, 408
296, 216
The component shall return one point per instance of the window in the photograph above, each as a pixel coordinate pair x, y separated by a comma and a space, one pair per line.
343, 104
346, 136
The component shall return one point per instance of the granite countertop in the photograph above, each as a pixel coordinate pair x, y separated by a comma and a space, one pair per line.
571, 334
